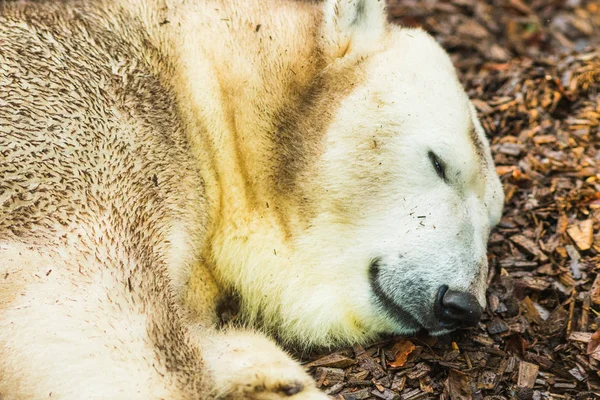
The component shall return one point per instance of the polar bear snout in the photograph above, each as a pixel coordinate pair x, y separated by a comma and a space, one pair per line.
438, 300
455, 308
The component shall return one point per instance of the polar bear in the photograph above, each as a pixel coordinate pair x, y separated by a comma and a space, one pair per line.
158, 157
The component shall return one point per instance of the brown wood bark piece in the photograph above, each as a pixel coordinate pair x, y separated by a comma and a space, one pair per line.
528, 373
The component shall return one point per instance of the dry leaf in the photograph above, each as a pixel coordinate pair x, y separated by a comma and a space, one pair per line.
519, 176
401, 350
505, 169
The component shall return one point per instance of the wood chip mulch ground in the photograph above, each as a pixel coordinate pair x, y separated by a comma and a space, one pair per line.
533, 70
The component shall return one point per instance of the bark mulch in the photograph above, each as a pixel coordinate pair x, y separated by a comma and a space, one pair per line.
533, 70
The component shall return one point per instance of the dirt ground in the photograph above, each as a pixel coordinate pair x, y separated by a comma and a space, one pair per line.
533, 70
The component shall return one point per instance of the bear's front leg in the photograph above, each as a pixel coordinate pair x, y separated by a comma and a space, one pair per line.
247, 365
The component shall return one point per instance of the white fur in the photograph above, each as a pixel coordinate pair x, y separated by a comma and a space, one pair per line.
370, 202
77, 327
353, 27
298, 255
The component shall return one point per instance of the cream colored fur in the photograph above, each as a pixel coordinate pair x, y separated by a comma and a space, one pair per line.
272, 150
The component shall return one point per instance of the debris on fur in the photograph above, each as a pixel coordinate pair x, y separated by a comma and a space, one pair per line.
533, 68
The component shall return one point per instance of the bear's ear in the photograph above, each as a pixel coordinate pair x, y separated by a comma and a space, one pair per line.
352, 27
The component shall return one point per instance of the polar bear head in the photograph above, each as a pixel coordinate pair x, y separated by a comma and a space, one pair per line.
410, 189
390, 199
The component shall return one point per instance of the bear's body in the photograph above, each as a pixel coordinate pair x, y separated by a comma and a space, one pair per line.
154, 156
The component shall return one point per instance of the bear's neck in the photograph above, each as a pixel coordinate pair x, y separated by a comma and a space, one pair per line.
257, 96
243, 69
249, 78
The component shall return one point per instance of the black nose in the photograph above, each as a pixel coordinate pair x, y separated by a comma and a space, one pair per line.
454, 309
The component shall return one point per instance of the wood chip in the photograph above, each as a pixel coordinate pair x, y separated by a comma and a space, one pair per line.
411, 394
487, 380
527, 374
386, 394
583, 337
531, 311
576, 373
458, 385
426, 385
582, 234
532, 69
335, 389
497, 326
329, 376
535, 282
370, 365
593, 348
595, 290
357, 395
419, 371
529, 246
333, 361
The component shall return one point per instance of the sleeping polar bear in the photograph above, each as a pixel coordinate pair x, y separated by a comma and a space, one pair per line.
322, 165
